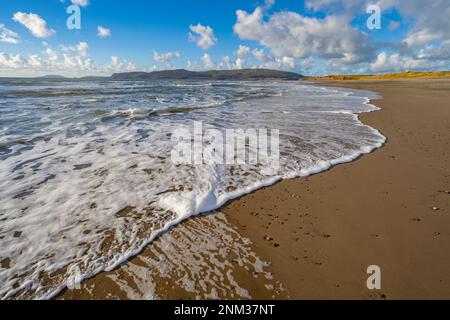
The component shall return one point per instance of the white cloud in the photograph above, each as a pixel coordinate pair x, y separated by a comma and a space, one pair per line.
103, 32
243, 51
75, 63
239, 63
436, 52
11, 61
35, 61
278, 63
165, 57
49, 63
203, 36
66, 60
420, 37
7, 35
34, 23
431, 20
260, 55
386, 62
153, 68
291, 34
81, 3
395, 63
287, 62
52, 55
226, 62
114, 61
207, 61
82, 49
426, 24
120, 66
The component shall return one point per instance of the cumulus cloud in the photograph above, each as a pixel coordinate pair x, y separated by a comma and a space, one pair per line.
75, 63
203, 36
395, 62
67, 60
165, 57
103, 32
279, 63
242, 51
268, 61
7, 35
291, 34
239, 63
420, 37
52, 55
82, 48
260, 55
35, 61
10, 61
226, 63
207, 61
288, 62
50, 63
431, 21
34, 23
436, 52
292, 39
116, 65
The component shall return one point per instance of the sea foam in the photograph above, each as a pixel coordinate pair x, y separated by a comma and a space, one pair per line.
86, 178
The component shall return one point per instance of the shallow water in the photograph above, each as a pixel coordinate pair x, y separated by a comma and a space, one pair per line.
86, 177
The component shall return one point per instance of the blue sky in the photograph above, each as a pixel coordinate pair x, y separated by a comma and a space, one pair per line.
310, 37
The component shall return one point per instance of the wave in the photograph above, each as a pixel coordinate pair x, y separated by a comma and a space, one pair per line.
95, 193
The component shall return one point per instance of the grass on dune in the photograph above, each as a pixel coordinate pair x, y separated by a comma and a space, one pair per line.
400, 75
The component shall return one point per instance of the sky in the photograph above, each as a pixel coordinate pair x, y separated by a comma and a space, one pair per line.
311, 37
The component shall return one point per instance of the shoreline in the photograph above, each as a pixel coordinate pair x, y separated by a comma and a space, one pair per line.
323, 167
297, 237
322, 241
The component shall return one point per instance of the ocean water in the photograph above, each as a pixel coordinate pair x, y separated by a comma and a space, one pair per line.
86, 177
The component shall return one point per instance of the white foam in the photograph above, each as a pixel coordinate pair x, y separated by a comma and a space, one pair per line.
60, 196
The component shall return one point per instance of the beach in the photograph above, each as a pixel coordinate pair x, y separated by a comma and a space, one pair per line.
246, 152
96, 172
377, 210
315, 237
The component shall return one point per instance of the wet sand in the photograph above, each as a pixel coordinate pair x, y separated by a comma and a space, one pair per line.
390, 208
319, 234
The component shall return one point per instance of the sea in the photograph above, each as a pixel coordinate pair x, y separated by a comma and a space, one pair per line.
87, 177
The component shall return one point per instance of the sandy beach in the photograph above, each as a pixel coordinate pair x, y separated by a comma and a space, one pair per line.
319, 234
377, 210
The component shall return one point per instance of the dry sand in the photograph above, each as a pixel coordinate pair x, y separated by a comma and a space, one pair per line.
321, 233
